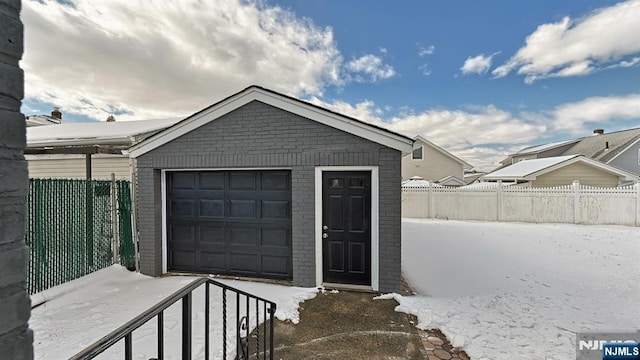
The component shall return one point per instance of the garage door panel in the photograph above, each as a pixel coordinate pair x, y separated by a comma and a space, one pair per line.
182, 259
240, 262
243, 209
212, 235
275, 181
182, 207
243, 236
212, 208
182, 234
230, 222
275, 209
276, 237
183, 180
213, 261
242, 180
211, 181
275, 265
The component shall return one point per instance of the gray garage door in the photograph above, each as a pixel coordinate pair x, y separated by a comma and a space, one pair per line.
230, 222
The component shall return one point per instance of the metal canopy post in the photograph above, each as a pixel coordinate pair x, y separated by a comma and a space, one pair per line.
88, 165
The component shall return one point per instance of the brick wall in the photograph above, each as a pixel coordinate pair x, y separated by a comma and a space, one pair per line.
261, 136
15, 337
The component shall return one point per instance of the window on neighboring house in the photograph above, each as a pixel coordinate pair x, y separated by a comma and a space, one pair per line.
417, 153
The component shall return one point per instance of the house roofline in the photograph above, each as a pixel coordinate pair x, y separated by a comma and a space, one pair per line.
576, 158
443, 151
633, 143
560, 144
299, 107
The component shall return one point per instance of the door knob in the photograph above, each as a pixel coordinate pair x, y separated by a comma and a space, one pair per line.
325, 227
325, 235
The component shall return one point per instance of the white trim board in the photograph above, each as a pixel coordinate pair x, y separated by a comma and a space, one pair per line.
30, 157
298, 107
163, 192
375, 219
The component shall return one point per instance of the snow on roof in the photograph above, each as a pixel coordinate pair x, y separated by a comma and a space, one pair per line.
543, 147
527, 167
486, 185
40, 120
94, 133
418, 182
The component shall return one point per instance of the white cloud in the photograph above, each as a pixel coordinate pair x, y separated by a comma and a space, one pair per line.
478, 64
158, 59
365, 110
424, 69
424, 51
484, 135
625, 63
573, 118
370, 68
578, 47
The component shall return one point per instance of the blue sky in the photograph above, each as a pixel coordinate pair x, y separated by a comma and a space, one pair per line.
481, 79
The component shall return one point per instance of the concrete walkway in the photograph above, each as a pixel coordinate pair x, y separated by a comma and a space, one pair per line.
351, 325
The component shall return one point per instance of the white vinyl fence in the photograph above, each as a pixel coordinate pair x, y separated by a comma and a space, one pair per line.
575, 203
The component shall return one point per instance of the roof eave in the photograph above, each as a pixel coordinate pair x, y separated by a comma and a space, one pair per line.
624, 150
465, 164
295, 106
124, 141
507, 178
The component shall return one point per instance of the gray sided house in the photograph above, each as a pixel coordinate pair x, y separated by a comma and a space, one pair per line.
264, 185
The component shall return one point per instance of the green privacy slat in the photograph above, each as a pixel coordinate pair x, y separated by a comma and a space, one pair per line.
69, 229
124, 225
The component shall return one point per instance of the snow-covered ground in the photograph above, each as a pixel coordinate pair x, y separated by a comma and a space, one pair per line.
521, 291
498, 290
76, 314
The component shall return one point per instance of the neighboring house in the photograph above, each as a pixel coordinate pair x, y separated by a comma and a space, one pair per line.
451, 181
620, 149
472, 176
261, 184
418, 182
562, 170
433, 163
86, 149
40, 120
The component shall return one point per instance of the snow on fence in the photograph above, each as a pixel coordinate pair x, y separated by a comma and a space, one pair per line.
579, 204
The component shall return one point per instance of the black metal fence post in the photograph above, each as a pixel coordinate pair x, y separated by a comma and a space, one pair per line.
186, 295
186, 327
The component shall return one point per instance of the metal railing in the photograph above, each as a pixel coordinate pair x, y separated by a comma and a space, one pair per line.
262, 347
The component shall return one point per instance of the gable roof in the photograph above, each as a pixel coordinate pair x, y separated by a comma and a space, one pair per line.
296, 106
418, 182
465, 164
94, 133
530, 169
595, 146
451, 181
40, 120
544, 147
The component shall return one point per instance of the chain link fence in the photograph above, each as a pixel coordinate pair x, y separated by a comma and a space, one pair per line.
72, 229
